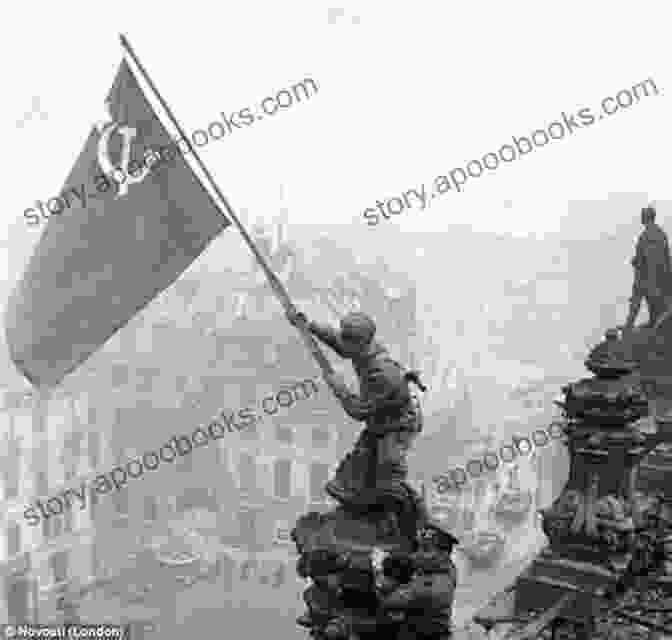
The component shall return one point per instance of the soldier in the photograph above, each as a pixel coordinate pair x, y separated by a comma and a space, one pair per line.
427, 599
653, 271
377, 465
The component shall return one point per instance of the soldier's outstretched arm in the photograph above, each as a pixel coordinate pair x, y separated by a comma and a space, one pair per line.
326, 335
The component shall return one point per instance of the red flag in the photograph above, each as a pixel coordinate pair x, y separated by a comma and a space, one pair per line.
112, 250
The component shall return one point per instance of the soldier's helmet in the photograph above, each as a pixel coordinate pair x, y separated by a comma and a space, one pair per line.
437, 533
357, 327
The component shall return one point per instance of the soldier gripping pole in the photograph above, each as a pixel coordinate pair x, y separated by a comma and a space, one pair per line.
274, 281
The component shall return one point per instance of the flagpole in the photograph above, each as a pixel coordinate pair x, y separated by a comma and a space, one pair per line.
276, 285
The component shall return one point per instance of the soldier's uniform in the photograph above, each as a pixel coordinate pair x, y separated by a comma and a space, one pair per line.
370, 481
385, 403
427, 599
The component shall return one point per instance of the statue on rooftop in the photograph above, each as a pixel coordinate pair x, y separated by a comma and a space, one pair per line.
653, 271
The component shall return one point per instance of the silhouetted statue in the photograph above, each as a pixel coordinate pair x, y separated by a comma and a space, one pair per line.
653, 271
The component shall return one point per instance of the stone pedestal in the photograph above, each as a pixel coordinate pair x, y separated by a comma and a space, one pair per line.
603, 527
372, 578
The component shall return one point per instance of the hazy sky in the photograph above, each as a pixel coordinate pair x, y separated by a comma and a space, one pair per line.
407, 91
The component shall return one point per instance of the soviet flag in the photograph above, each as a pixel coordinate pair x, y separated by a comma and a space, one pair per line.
143, 218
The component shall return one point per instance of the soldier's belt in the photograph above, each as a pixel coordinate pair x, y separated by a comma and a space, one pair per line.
379, 425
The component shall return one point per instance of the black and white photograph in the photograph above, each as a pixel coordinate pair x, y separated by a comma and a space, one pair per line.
336, 321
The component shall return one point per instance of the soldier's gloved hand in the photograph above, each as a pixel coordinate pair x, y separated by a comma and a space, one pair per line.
297, 318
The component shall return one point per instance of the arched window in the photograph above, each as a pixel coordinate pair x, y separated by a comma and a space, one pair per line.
264, 578
246, 569
151, 509
94, 447
13, 539
120, 499
59, 566
282, 479
247, 472
279, 576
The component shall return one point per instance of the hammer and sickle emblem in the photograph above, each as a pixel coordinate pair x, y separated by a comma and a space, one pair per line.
107, 128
